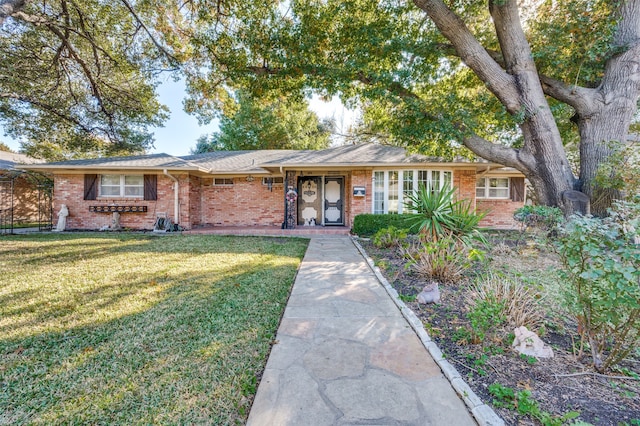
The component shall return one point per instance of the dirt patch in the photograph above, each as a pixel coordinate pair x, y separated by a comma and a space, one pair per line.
566, 383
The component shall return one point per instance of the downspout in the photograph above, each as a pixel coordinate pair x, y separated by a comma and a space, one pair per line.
176, 196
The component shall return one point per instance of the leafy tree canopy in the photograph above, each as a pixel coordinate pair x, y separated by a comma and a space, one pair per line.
279, 123
511, 81
5, 147
78, 78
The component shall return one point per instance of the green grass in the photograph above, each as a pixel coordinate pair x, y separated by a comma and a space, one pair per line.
138, 329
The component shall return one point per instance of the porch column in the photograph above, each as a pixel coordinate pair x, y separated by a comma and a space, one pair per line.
290, 200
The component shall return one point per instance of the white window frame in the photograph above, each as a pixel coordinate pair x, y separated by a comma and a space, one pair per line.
122, 186
222, 181
485, 188
441, 173
276, 181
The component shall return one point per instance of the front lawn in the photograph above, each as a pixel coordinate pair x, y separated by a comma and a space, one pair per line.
138, 329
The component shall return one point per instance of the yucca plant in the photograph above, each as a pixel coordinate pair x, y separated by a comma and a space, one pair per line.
439, 214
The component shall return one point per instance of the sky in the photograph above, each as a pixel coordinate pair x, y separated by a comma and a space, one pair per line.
180, 132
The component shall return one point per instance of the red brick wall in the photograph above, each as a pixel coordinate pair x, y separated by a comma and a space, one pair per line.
69, 190
359, 205
24, 199
499, 213
242, 204
465, 182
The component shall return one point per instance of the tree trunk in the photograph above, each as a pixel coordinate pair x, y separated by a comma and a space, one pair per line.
600, 135
604, 122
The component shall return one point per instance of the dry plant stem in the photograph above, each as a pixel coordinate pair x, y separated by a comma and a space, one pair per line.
591, 373
464, 365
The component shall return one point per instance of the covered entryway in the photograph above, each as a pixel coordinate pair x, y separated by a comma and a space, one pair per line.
320, 200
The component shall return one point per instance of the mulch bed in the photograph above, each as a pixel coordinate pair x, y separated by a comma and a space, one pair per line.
560, 385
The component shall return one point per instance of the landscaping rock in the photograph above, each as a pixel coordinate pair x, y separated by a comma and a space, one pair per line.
528, 343
429, 294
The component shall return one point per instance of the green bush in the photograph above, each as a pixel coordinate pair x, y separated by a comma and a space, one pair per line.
486, 317
541, 217
601, 266
389, 237
368, 224
444, 260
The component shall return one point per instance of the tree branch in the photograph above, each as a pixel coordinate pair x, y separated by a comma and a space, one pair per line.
500, 154
472, 53
172, 59
580, 98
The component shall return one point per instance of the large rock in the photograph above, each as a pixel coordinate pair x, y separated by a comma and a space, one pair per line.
527, 342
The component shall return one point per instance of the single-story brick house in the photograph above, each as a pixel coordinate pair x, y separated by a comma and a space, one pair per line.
273, 188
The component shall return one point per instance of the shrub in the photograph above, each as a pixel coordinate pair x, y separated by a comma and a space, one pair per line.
444, 260
601, 264
389, 237
369, 224
519, 303
540, 217
486, 317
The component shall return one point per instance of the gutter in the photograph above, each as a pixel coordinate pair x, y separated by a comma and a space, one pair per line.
176, 196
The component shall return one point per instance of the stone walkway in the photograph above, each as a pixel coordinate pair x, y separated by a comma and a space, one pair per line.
345, 354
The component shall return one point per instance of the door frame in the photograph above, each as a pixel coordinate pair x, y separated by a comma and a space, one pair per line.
341, 179
322, 179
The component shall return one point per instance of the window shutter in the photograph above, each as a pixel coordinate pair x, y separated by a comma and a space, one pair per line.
90, 187
517, 189
150, 187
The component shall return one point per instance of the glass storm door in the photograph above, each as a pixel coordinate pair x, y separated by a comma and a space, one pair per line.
333, 201
309, 201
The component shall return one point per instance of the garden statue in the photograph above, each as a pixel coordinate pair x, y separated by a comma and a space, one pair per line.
115, 222
62, 218
429, 294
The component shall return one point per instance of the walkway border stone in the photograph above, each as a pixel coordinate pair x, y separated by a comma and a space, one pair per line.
483, 414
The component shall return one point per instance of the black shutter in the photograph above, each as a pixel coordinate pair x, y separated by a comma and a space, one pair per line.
150, 187
517, 189
90, 187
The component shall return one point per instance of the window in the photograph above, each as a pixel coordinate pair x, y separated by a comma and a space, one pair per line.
122, 186
492, 187
393, 197
391, 188
222, 182
378, 192
274, 180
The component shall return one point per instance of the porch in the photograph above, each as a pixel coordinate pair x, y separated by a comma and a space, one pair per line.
271, 231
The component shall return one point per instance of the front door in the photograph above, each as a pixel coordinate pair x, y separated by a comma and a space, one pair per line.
309, 201
334, 201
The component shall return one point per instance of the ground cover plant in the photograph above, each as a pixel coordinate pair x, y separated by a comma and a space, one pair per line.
519, 282
137, 328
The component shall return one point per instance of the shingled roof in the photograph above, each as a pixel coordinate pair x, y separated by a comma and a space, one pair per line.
259, 161
9, 160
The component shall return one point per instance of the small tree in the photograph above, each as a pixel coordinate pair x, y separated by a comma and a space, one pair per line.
601, 264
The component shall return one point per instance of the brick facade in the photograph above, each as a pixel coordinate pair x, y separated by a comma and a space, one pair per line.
246, 202
499, 213
69, 190
18, 197
241, 204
